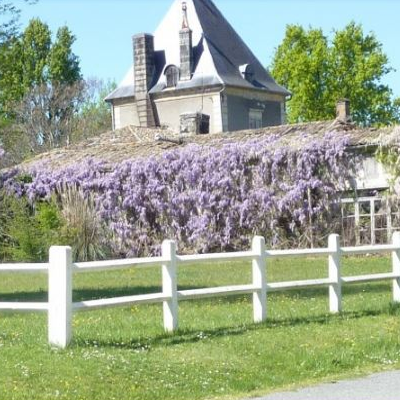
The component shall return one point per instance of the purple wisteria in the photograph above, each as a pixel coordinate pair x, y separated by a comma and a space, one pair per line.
2, 154
209, 199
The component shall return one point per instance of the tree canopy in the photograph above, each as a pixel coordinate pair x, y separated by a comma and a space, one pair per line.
33, 59
319, 71
40, 84
44, 100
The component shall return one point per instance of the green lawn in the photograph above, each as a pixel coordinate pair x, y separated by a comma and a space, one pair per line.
123, 353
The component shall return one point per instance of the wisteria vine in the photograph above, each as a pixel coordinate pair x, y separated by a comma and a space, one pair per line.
207, 198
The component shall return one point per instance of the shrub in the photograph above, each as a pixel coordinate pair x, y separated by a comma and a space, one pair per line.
29, 230
82, 228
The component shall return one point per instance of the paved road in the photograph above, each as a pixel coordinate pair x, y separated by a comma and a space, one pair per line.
382, 386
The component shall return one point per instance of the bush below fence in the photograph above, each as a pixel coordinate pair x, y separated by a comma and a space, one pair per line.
60, 306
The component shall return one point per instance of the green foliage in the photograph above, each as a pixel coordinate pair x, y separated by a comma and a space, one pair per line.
300, 64
40, 84
29, 231
36, 44
11, 59
319, 72
11, 77
44, 102
389, 156
63, 63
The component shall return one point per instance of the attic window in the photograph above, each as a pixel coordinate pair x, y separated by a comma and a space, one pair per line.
172, 75
247, 72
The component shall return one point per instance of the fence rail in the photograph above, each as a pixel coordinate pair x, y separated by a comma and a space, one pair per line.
60, 269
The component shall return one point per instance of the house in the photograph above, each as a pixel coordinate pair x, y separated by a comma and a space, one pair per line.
196, 75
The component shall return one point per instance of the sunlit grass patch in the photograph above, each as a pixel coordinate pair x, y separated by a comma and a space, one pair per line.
123, 353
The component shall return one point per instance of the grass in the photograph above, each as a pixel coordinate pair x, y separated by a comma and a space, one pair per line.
218, 352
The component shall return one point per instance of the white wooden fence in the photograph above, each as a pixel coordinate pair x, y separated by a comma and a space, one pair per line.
60, 268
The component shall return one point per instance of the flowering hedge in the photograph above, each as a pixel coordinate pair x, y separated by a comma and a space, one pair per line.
208, 199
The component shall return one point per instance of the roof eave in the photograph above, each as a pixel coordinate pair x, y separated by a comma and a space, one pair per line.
284, 92
189, 90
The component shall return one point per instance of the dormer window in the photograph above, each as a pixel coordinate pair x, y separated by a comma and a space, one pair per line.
247, 72
171, 75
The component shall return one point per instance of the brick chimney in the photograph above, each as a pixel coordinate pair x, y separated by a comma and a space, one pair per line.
144, 62
343, 111
194, 124
186, 47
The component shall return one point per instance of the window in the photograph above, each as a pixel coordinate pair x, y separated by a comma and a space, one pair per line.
255, 119
247, 72
172, 75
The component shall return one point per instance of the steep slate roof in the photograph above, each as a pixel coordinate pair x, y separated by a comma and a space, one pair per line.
134, 142
218, 52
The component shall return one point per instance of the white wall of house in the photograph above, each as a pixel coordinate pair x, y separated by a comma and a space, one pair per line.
170, 109
125, 114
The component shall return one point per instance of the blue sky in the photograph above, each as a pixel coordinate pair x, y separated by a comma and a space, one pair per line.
104, 27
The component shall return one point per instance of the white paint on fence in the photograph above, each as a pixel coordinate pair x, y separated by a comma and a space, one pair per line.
25, 307
24, 268
170, 287
215, 292
60, 268
297, 253
279, 286
369, 278
259, 279
379, 248
216, 257
60, 296
118, 264
89, 305
335, 288
396, 267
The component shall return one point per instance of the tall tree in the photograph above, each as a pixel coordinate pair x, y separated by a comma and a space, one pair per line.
41, 85
301, 64
52, 83
9, 33
35, 50
318, 72
47, 113
31, 59
63, 63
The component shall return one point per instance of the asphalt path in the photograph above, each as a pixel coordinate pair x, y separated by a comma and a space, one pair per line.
381, 386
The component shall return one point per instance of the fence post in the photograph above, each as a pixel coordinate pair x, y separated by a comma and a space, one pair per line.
335, 288
259, 279
169, 284
60, 296
396, 267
